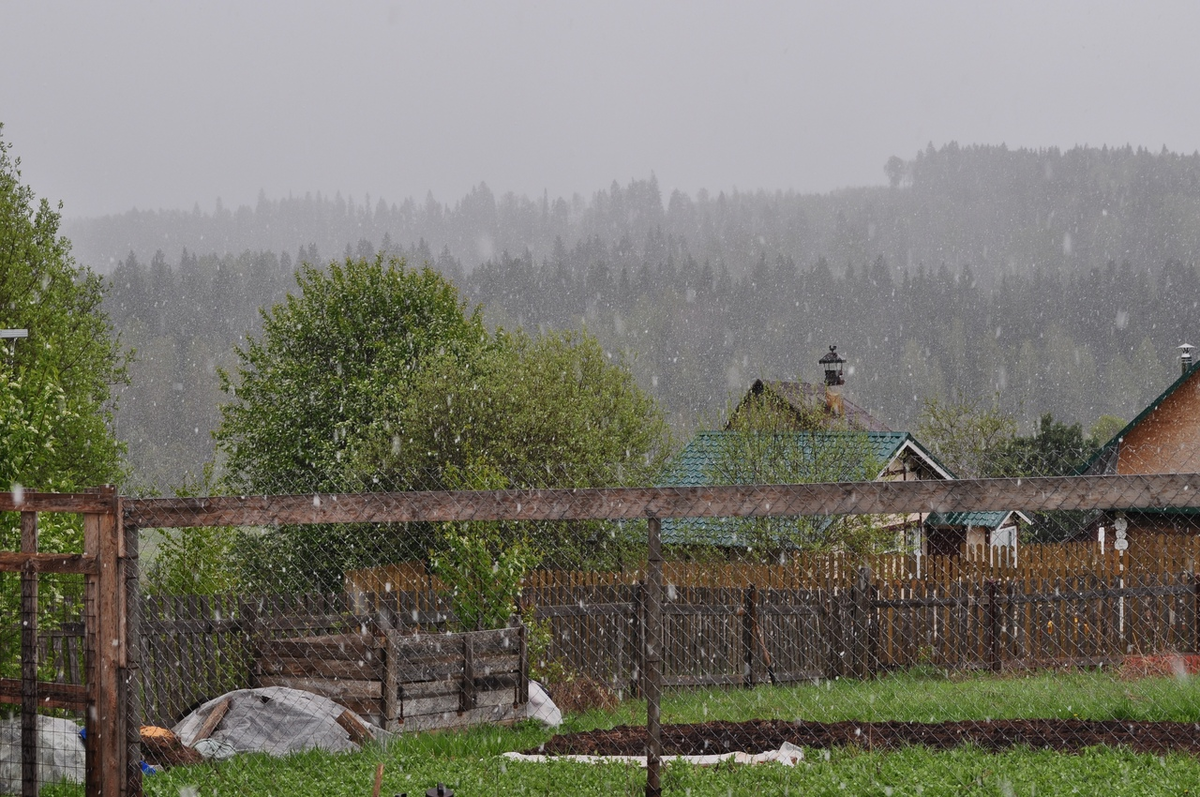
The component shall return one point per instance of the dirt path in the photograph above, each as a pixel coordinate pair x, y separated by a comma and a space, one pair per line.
760, 735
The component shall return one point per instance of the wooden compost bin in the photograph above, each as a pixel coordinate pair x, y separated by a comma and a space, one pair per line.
404, 682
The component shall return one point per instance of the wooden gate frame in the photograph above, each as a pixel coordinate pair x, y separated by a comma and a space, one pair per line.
109, 567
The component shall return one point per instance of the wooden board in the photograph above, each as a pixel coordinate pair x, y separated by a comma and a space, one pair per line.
898, 497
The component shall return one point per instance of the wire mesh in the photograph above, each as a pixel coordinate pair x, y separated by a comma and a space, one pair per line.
51, 644
998, 615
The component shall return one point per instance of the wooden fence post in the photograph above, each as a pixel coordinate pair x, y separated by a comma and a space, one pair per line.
749, 623
131, 683
1196, 612
466, 693
29, 658
993, 625
521, 699
653, 658
637, 681
860, 647
106, 651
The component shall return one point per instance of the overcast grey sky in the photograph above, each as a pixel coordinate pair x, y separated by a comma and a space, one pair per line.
163, 105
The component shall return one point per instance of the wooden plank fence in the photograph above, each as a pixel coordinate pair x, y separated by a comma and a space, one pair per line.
848, 622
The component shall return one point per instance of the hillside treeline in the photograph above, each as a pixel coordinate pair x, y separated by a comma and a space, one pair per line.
1075, 343
997, 210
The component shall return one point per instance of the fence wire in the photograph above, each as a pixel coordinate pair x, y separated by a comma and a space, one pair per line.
287, 640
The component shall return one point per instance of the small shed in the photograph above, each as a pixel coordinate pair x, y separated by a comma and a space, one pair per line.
972, 533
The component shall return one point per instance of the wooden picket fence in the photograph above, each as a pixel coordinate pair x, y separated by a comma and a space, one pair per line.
724, 623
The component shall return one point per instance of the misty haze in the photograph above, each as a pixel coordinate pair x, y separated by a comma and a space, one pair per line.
716, 195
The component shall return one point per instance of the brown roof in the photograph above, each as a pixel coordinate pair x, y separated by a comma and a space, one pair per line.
803, 396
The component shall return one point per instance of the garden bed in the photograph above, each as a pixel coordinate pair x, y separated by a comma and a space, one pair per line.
408, 682
756, 735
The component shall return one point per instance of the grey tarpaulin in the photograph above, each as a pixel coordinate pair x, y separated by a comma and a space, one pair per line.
60, 752
272, 719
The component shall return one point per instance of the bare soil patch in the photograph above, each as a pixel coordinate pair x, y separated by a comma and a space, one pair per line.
760, 735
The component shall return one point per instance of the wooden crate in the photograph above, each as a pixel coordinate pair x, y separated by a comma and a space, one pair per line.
404, 681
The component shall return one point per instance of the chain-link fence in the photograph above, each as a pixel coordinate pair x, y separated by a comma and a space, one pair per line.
802, 625
911, 631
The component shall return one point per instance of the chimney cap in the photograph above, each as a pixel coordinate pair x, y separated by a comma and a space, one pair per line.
832, 357
832, 363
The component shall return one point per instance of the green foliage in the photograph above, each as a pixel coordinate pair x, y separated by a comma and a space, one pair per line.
194, 561
481, 565
1055, 449
375, 378
1105, 428
329, 361
964, 434
555, 410
482, 572
550, 411
55, 409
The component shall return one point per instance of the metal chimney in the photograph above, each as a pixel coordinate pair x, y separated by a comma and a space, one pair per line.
1185, 357
834, 379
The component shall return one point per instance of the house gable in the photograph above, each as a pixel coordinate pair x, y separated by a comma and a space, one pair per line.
800, 406
1163, 438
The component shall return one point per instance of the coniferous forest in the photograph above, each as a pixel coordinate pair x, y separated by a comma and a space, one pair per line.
1051, 282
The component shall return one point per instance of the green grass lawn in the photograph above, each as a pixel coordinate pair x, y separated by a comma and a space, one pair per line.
468, 761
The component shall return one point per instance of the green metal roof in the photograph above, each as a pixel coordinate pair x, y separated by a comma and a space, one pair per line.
990, 520
810, 457
700, 460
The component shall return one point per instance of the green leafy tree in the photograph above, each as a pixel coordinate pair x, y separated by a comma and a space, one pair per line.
329, 360
376, 377
482, 564
1055, 449
965, 434
1105, 428
56, 385
55, 408
547, 411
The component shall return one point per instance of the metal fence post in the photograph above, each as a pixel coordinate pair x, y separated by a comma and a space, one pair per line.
653, 660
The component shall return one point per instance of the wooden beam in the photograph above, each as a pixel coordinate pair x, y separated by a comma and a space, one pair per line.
80, 503
50, 695
11, 562
213, 720
1039, 494
105, 743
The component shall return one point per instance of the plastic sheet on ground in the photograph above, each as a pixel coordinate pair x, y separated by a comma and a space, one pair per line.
788, 754
60, 752
274, 720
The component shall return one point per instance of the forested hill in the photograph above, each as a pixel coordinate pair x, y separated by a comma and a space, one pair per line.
1059, 282
1080, 345
997, 210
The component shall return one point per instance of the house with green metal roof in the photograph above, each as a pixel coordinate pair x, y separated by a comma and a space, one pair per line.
1163, 438
797, 457
798, 433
